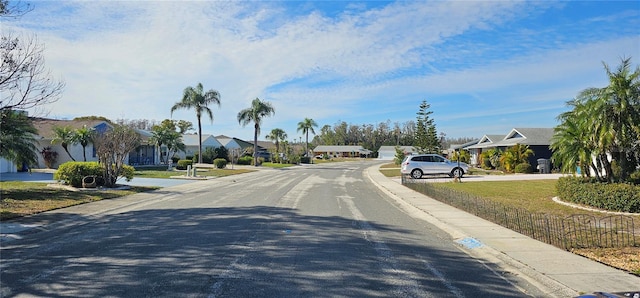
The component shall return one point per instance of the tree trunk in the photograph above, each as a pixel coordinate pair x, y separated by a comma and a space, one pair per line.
255, 144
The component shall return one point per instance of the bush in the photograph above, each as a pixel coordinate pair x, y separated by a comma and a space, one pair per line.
524, 167
486, 163
175, 159
635, 177
127, 172
72, 172
220, 163
609, 196
245, 160
183, 164
305, 159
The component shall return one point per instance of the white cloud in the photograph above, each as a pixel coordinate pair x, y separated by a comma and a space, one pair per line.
133, 59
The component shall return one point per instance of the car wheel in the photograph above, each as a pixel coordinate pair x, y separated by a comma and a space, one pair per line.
457, 173
416, 174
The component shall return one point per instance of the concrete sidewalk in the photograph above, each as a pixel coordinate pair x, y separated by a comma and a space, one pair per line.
558, 272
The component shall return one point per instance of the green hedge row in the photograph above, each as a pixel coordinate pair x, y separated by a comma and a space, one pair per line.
183, 164
72, 172
609, 196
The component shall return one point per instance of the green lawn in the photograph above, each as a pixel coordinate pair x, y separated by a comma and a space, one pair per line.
24, 198
155, 173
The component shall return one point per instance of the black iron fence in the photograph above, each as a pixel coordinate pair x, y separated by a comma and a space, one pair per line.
575, 231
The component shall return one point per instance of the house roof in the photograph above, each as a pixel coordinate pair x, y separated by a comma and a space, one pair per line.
193, 140
463, 146
45, 126
527, 136
265, 145
487, 141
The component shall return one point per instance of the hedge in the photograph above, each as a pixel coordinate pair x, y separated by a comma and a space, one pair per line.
220, 163
72, 172
523, 168
183, 164
245, 160
620, 197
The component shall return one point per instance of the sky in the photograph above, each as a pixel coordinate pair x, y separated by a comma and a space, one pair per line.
484, 67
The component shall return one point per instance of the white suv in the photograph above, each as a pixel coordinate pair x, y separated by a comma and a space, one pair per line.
422, 164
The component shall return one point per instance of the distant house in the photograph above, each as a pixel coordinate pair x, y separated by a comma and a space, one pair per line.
191, 142
342, 151
264, 145
147, 153
46, 134
538, 140
389, 152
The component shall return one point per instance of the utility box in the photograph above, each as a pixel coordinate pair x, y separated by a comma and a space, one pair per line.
544, 166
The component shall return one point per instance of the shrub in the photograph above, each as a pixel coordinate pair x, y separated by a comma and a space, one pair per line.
609, 196
72, 172
486, 163
175, 159
635, 177
183, 164
524, 167
220, 163
245, 160
127, 172
305, 159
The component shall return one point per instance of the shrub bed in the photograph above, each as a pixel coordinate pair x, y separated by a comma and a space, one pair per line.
72, 172
183, 163
220, 163
609, 196
245, 160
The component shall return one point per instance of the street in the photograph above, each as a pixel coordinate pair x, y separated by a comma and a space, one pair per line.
315, 231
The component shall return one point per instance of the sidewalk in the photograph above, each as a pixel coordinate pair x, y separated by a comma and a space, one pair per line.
560, 272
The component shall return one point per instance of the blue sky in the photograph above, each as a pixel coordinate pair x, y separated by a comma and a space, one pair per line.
484, 66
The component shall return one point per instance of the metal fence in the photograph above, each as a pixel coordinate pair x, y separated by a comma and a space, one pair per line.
575, 231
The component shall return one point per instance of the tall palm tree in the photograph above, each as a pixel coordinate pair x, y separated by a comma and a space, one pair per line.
307, 126
17, 141
277, 135
258, 110
84, 136
65, 137
197, 99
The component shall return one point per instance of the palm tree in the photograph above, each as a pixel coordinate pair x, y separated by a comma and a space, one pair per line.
64, 136
258, 110
84, 136
17, 141
622, 98
197, 99
307, 126
277, 135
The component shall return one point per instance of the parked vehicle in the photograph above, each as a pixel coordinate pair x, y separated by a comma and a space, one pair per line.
426, 164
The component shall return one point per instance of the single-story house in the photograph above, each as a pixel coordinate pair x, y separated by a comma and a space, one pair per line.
342, 151
191, 142
389, 152
538, 140
46, 134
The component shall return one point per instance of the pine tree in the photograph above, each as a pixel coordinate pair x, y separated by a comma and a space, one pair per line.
426, 136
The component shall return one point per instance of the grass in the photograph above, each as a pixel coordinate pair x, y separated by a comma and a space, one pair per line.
154, 173
535, 196
25, 198
19, 199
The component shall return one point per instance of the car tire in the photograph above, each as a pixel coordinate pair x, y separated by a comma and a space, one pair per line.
457, 173
416, 174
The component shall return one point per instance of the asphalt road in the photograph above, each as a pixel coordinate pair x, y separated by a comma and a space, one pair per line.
320, 231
